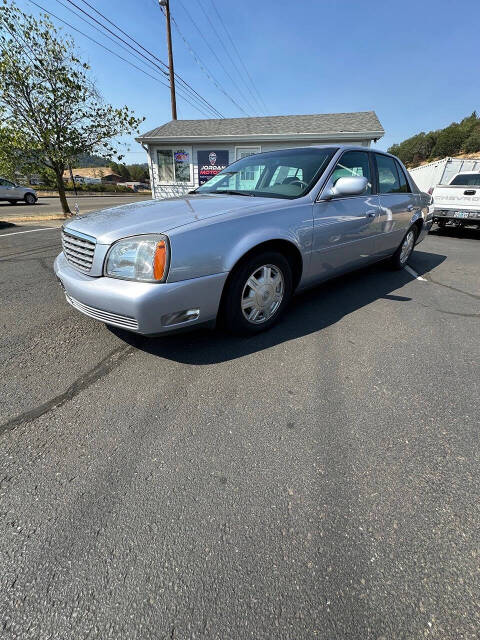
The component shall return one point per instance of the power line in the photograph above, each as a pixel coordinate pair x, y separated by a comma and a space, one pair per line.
141, 47
203, 67
139, 56
258, 99
220, 39
111, 51
219, 60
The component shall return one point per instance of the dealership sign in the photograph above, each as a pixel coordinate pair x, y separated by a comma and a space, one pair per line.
210, 163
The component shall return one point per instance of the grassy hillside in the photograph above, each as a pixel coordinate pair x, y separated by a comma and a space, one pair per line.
457, 138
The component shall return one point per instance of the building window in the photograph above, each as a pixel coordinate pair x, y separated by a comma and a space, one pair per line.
250, 174
174, 165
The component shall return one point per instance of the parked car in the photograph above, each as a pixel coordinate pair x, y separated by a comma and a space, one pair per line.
238, 247
458, 202
15, 193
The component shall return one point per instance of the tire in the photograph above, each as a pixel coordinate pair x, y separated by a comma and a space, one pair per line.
246, 312
30, 198
404, 251
441, 224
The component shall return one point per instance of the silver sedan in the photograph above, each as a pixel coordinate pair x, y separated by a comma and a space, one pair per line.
15, 193
236, 249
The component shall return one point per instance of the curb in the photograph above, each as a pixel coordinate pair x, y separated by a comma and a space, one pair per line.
34, 218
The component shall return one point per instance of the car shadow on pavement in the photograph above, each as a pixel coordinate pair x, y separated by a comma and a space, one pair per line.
309, 312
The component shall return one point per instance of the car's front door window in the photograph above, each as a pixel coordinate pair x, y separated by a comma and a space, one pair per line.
353, 163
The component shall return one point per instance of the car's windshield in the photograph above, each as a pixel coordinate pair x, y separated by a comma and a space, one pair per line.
467, 179
289, 173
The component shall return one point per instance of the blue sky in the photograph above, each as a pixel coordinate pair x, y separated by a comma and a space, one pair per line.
415, 63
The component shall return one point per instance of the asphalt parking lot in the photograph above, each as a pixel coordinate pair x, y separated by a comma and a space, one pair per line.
51, 206
317, 481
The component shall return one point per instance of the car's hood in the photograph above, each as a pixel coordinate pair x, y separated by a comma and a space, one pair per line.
159, 216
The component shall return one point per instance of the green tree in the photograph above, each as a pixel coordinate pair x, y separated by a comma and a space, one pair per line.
138, 172
472, 143
450, 140
457, 137
48, 104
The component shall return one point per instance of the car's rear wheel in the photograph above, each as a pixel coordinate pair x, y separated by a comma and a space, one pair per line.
404, 251
257, 293
30, 198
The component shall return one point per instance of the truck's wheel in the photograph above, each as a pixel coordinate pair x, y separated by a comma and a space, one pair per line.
442, 224
404, 251
257, 294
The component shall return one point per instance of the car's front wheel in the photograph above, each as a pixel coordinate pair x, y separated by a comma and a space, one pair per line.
30, 198
257, 293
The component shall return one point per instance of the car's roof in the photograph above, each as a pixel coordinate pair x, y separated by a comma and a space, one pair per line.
343, 147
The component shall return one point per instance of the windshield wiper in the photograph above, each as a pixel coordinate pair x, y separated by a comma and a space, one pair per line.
231, 192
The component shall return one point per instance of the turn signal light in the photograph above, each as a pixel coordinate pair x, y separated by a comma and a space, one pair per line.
160, 260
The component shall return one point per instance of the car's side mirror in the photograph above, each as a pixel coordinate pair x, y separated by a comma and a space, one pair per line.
347, 186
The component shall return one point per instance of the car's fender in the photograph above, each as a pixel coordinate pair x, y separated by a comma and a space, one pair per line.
200, 250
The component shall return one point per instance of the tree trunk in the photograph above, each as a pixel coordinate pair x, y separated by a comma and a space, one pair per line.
61, 193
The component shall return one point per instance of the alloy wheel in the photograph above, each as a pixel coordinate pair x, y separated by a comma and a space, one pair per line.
262, 294
407, 246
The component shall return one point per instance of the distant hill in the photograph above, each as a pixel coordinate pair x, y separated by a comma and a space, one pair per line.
136, 172
458, 138
87, 160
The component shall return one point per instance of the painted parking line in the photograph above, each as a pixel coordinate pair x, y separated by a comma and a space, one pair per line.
16, 233
413, 273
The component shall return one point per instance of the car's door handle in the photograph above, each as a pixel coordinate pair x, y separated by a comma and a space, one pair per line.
371, 214
410, 207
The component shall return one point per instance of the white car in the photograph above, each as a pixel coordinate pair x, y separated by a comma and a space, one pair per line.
458, 202
15, 193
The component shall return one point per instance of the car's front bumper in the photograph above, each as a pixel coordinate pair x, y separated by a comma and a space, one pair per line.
141, 307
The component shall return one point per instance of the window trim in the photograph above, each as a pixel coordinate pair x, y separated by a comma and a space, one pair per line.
327, 180
246, 146
175, 182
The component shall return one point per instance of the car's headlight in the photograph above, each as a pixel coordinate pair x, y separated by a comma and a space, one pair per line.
144, 258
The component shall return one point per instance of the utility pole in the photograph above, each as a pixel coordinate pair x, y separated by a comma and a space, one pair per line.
166, 4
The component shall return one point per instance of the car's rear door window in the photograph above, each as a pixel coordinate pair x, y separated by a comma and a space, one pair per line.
403, 182
388, 180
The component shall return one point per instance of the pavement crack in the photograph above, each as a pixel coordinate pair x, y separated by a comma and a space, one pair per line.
101, 369
448, 286
450, 313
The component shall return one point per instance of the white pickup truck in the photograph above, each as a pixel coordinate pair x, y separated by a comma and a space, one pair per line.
458, 202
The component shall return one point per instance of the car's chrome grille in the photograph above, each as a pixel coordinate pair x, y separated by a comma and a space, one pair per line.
104, 316
78, 249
